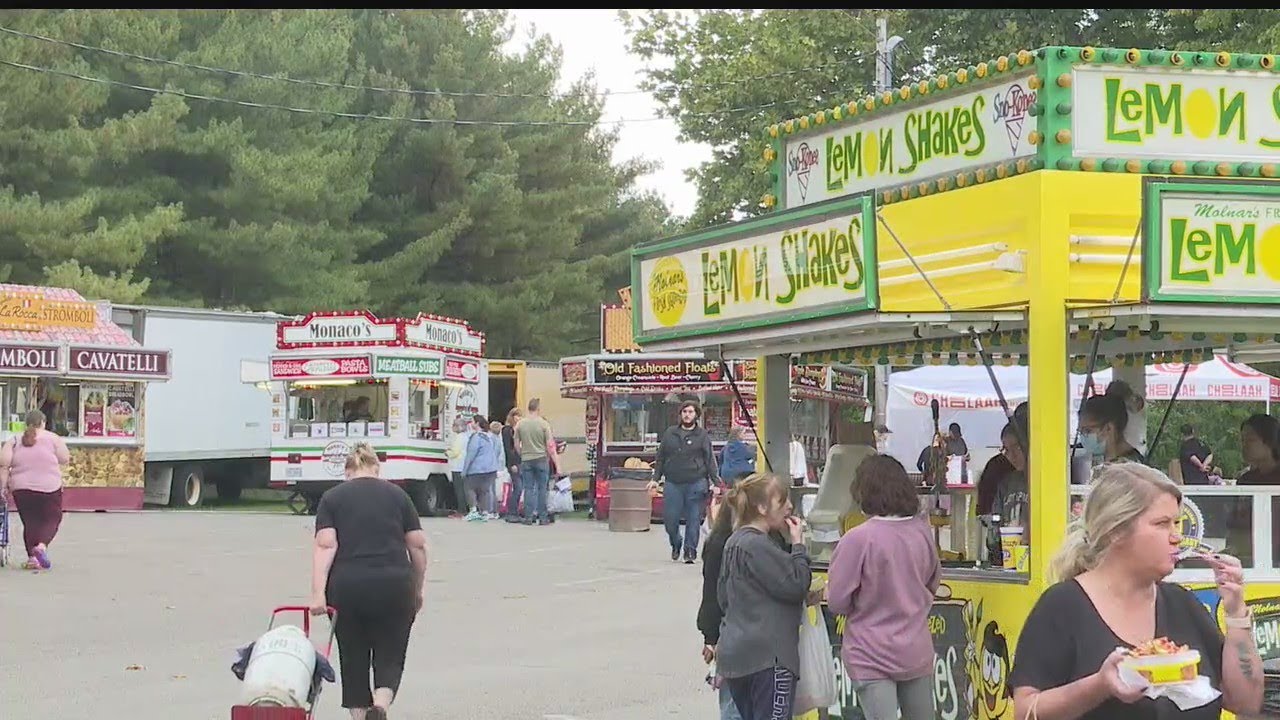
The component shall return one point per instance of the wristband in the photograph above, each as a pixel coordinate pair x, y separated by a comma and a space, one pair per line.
1241, 623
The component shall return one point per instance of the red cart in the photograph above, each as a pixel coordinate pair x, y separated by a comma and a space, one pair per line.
248, 712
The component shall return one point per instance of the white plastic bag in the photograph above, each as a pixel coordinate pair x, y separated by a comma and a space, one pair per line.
817, 686
560, 501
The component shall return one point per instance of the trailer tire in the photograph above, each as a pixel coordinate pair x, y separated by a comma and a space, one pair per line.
426, 496
187, 488
229, 490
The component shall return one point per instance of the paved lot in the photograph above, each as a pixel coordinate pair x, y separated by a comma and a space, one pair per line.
563, 622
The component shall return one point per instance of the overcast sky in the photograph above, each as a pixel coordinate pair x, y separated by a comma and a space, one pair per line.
596, 39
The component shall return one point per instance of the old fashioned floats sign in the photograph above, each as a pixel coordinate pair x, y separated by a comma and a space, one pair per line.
780, 268
980, 127
1211, 241
656, 371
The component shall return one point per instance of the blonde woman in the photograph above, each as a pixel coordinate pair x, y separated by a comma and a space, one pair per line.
370, 563
1111, 593
762, 590
31, 466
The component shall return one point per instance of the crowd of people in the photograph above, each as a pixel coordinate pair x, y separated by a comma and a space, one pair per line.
504, 466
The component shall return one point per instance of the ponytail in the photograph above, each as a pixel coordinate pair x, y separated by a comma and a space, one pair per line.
362, 457
748, 494
1075, 557
35, 421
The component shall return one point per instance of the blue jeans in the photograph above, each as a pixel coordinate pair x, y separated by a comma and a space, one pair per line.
728, 708
684, 502
535, 476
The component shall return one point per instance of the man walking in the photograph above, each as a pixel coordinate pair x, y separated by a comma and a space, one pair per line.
533, 444
686, 460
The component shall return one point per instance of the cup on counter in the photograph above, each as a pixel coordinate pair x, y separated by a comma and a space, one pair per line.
1010, 539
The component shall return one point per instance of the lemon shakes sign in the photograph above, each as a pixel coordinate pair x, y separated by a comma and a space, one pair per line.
1171, 114
1212, 241
780, 268
968, 130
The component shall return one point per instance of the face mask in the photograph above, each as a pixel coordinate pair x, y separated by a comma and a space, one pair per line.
1092, 444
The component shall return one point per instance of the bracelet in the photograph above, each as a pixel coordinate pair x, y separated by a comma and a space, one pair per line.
1241, 623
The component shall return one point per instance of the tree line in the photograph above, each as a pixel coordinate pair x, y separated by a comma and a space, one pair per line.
138, 196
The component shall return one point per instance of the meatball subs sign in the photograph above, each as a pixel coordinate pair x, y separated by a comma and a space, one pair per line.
781, 268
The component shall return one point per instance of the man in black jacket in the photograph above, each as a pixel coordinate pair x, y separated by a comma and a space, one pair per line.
686, 460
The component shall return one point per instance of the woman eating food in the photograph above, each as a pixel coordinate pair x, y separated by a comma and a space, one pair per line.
1111, 594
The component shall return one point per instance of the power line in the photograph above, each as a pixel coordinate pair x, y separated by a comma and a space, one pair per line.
372, 116
399, 91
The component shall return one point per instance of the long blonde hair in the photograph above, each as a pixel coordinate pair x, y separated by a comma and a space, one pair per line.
1119, 493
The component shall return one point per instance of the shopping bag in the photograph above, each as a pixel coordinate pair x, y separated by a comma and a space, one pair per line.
817, 686
560, 501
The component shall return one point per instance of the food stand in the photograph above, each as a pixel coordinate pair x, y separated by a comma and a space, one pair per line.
1065, 209
338, 378
633, 397
62, 354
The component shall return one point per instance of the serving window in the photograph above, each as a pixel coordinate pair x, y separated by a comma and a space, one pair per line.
641, 419
15, 400
338, 408
426, 405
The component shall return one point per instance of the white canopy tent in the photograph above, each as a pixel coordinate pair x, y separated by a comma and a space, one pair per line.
965, 396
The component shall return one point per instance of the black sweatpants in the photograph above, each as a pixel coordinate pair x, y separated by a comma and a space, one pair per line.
764, 695
375, 616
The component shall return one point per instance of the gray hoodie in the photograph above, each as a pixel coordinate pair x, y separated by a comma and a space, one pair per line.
762, 591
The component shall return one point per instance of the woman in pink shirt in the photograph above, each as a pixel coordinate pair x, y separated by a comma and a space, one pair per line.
31, 465
883, 576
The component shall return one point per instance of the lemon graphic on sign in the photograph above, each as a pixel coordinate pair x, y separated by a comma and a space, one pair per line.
745, 285
1199, 113
870, 153
1269, 252
668, 291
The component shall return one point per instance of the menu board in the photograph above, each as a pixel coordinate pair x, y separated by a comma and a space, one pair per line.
717, 419
109, 410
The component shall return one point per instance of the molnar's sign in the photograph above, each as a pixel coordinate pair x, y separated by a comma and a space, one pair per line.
775, 269
1211, 241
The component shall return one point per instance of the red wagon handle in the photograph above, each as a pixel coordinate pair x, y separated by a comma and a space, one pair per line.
305, 610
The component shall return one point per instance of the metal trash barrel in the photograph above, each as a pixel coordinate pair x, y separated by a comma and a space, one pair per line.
630, 506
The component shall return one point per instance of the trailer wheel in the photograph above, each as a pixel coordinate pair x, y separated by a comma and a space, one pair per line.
229, 489
426, 496
187, 488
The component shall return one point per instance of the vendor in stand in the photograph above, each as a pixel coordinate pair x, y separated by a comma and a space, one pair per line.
1103, 421
1260, 447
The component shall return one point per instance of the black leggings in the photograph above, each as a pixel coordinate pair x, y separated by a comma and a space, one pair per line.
375, 615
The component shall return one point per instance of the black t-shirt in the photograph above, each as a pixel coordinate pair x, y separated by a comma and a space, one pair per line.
1192, 475
1065, 640
371, 517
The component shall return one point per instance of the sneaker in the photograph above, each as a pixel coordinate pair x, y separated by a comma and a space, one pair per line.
376, 713
491, 516
475, 516
513, 519
545, 521
42, 557
675, 554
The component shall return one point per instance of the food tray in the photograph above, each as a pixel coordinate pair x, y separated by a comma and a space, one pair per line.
1166, 669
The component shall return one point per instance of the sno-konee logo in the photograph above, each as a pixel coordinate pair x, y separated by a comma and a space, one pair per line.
799, 162
1012, 107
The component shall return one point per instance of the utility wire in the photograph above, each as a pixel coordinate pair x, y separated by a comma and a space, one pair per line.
399, 91
372, 116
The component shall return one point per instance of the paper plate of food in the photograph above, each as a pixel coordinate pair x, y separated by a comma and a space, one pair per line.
1164, 668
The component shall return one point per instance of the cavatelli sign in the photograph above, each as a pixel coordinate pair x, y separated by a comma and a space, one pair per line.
973, 129
1209, 241
780, 268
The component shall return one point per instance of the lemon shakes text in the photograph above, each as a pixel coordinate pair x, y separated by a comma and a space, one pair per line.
1138, 111
927, 134
793, 271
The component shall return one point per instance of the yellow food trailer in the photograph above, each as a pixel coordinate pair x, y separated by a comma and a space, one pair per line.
1055, 208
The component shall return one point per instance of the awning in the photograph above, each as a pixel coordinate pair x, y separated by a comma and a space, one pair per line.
869, 329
